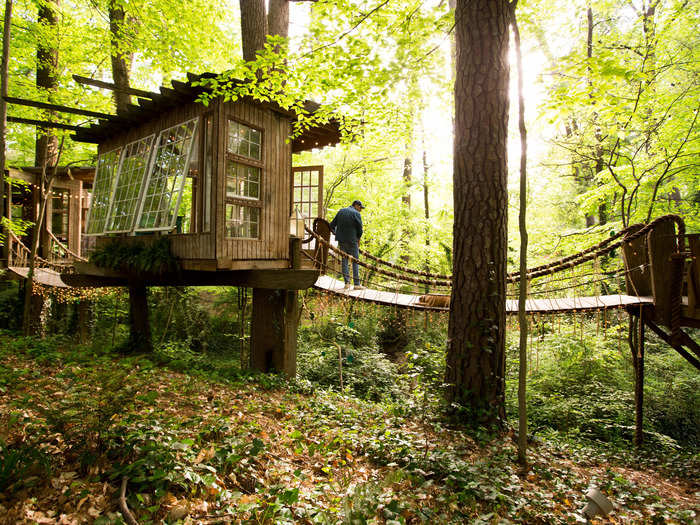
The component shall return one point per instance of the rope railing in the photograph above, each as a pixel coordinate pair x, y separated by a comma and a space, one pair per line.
62, 247
337, 252
21, 254
604, 247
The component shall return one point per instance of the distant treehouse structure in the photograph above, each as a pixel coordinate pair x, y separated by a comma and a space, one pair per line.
218, 182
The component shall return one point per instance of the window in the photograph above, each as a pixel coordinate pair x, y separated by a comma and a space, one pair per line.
107, 168
244, 169
243, 140
242, 180
308, 184
132, 174
166, 180
59, 214
242, 221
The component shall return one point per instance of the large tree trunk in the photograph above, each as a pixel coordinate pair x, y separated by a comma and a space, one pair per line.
476, 335
121, 60
278, 18
46, 79
253, 27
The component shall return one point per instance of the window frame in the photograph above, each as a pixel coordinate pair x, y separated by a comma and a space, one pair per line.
241, 200
115, 173
150, 138
151, 167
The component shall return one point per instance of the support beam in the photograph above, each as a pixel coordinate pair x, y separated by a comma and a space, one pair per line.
273, 331
58, 108
112, 87
667, 339
140, 327
637, 341
45, 124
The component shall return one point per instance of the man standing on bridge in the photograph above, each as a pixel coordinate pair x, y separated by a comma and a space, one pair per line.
347, 227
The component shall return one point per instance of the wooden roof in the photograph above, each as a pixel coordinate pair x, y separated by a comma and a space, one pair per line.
184, 92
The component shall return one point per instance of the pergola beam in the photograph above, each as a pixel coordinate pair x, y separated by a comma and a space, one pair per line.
58, 108
45, 124
112, 87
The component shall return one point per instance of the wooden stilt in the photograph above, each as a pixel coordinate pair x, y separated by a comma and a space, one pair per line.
140, 327
636, 341
273, 332
84, 319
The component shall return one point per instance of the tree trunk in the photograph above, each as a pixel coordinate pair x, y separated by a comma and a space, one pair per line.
46, 66
278, 18
121, 61
253, 27
4, 71
476, 335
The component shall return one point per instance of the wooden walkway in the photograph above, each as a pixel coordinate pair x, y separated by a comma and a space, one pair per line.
43, 276
544, 306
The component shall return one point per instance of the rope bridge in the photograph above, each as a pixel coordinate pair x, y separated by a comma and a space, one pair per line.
589, 272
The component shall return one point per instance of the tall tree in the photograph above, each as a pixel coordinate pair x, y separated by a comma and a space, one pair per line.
46, 75
253, 27
476, 335
121, 58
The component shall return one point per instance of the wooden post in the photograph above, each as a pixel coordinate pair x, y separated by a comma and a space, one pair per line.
140, 327
84, 318
273, 331
636, 341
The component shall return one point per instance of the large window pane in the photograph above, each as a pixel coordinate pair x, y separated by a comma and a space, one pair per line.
244, 140
167, 177
129, 183
107, 167
242, 180
242, 221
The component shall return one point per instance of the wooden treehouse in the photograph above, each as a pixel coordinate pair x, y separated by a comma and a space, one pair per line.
218, 182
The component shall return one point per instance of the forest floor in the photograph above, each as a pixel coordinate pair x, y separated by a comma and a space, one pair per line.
74, 425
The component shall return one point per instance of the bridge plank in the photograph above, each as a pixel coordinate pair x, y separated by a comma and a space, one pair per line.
544, 306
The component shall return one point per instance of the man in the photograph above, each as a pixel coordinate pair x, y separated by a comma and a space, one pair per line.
347, 227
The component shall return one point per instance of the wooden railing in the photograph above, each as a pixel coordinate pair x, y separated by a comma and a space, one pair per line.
61, 259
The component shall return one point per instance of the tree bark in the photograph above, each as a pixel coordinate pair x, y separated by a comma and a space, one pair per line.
278, 18
253, 27
476, 335
121, 61
46, 151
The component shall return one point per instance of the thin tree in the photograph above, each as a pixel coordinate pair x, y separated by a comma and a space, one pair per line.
44, 193
475, 367
4, 72
522, 224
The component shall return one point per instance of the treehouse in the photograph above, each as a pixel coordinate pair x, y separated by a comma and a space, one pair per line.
217, 180
62, 237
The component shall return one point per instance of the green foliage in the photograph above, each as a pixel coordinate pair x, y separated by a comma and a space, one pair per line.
21, 465
90, 401
10, 305
366, 372
140, 258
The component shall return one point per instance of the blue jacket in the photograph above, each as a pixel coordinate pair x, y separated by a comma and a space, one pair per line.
347, 225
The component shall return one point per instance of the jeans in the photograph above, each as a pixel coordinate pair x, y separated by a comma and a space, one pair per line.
352, 248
